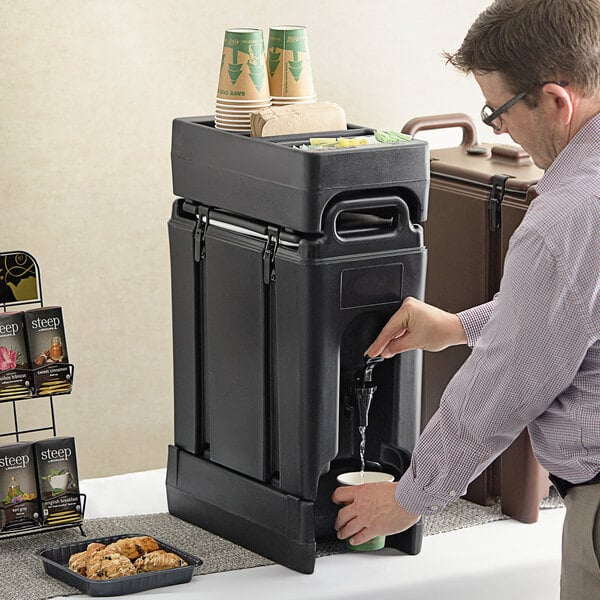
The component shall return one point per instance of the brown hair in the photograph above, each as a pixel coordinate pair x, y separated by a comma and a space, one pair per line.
532, 41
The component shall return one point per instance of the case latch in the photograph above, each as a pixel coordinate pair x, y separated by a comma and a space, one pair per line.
495, 201
200, 232
269, 254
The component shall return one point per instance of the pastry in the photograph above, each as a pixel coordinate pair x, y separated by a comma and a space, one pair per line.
158, 561
116, 560
105, 564
78, 562
133, 547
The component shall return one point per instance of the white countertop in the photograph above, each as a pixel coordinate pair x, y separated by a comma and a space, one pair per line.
497, 561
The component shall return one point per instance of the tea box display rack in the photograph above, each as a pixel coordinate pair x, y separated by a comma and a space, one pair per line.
20, 289
45, 528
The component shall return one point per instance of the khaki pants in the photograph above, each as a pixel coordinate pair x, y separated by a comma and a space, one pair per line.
580, 572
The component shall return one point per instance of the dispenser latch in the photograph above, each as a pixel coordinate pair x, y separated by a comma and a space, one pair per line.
269, 254
495, 201
200, 233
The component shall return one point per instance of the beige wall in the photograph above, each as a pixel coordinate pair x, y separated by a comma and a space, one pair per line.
88, 92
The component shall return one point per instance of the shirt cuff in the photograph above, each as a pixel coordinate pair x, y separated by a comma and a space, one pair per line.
474, 319
413, 498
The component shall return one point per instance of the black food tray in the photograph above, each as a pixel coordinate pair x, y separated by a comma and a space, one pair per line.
56, 564
270, 180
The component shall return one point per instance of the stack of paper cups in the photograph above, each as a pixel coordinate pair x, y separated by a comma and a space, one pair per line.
243, 82
288, 60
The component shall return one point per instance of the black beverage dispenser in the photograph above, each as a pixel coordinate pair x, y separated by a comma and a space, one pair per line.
285, 264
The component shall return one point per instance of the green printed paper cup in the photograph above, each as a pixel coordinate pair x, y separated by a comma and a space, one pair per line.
358, 478
243, 74
288, 61
286, 100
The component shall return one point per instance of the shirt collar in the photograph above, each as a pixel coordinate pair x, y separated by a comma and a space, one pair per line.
584, 144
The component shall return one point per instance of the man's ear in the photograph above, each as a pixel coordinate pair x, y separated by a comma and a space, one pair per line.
559, 100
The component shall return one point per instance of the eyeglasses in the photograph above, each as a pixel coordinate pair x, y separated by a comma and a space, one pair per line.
493, 118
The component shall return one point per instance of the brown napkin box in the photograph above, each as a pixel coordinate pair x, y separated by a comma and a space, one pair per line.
297, 118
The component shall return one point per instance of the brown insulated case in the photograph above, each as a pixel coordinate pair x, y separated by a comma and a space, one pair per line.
478, 195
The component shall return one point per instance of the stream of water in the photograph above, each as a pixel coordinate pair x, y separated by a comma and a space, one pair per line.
363, 442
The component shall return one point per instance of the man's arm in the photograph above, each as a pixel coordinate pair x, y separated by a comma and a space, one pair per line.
417, 325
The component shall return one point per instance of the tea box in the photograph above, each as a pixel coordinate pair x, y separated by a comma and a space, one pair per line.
19, 502
48, 350
58, 481
14, 380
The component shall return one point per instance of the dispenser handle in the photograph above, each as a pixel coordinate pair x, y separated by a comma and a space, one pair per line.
374, 359
382, 219
364, 388
364, 374
446, 121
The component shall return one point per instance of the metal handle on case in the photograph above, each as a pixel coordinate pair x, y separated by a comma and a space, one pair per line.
446, 121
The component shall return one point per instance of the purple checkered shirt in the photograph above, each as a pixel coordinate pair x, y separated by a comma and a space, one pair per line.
535, 361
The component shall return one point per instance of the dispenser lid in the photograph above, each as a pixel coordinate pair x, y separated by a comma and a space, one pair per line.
272, 180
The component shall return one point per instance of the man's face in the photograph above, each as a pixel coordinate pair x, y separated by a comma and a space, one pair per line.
528, 127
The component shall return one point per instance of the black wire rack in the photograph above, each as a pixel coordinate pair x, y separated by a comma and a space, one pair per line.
21, 288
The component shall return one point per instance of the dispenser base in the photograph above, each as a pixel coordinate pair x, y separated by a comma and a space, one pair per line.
257, 516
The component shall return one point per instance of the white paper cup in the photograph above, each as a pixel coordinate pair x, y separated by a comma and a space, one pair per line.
358, 478
223, 121
293, 103
237, 111
293, 98
232, 127
226, 101
232, 130
233, 118
233, 111
287, 102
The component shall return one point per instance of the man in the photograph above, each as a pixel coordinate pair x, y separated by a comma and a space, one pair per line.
536, 347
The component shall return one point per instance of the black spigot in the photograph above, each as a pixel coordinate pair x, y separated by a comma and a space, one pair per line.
364, 388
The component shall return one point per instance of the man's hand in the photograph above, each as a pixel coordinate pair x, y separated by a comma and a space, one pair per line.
417, 325
371, 509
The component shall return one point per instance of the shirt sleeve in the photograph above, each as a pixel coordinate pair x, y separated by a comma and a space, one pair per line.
528, 351
474, 319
